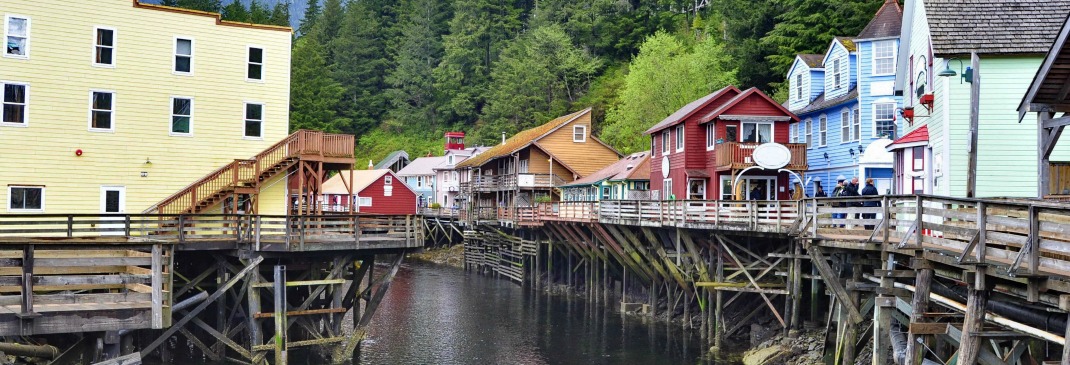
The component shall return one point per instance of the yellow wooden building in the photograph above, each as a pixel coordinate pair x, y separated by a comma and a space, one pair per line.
116, 105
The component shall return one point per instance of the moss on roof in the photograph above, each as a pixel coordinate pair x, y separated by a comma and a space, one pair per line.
520, 140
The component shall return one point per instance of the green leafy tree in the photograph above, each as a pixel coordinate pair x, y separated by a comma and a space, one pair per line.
314, 95
361, 61
412, 92
808, 26
236, 11
665, 75
539, 77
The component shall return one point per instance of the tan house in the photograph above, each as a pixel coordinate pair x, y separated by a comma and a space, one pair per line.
530, 165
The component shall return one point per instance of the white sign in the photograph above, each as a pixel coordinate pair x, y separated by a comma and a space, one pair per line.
882, 88
771, 156
665, 167
525, 180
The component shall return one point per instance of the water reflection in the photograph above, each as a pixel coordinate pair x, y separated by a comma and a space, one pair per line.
438, 315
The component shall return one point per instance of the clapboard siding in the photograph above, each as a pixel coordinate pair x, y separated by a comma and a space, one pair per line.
60, 78
585, 157
402, 200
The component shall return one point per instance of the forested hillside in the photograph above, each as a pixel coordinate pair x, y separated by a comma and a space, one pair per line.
398, 73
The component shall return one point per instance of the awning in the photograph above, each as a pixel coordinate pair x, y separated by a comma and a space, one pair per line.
917, 137
697, 174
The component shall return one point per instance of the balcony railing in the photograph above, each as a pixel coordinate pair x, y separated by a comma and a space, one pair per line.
489, 183
737, 155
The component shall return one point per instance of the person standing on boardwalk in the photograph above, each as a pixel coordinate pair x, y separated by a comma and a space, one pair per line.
836, 193
851, 190
870, 190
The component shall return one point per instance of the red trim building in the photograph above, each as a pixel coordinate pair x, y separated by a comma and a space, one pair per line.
698, 151
375, 192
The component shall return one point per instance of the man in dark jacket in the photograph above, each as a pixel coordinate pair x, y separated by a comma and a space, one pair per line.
870, 190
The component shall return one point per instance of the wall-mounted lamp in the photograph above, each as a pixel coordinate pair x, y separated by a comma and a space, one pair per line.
852, 152
147, 161
144, 174
861, 149
967, 75
826, 157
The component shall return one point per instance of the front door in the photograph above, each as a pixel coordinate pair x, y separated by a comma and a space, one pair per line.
112, 201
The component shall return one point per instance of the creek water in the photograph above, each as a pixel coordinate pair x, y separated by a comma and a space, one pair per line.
442, 315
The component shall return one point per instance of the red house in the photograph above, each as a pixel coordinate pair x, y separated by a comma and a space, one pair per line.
375, 192
724, 138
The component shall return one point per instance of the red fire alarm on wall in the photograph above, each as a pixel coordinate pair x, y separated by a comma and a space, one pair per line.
78, 152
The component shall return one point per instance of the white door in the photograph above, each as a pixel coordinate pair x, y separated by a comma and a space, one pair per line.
112, 201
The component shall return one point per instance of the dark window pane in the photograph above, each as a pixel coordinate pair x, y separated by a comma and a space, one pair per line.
255, 71
18, 198
182, 63
101, 119
256, 55
180, 124
14, 93
184, 47
252, 128
14, 113
104, 55
254, 111
181, 107
105, 37
102, 101
730, 133
111, 201
26, 198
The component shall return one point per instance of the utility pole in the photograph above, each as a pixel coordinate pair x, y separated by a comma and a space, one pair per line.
975, 101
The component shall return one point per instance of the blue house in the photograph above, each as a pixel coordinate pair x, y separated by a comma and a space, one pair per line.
846, 104
419, 175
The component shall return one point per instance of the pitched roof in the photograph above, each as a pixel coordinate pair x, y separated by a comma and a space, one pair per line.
888, 22
918, 136
1050, 81
521, 140
391, 158
812, 60
361, 179
690, 108
847, 42
743, 96
422, 166
822, 103
994, 26
627, 168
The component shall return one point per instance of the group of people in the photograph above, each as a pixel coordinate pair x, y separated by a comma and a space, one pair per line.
849, 189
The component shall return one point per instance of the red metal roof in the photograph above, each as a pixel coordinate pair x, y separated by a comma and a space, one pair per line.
918, 135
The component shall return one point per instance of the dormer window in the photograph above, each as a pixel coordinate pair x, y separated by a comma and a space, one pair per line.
798, 87
836, 74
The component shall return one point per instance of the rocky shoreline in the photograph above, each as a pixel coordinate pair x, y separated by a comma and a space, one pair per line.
450, 256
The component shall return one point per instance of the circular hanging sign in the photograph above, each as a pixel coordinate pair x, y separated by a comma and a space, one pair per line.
771, 156
665, 167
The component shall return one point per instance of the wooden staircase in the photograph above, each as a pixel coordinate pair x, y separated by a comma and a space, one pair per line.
246, 176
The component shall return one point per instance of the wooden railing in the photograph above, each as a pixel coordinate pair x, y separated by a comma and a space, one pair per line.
252, 171
737, 155
489, 183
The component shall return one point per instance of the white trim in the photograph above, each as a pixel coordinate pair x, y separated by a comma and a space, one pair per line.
388, 180
248, 62
665, 142
93, 47
582, 129
25, 113
711, 136
360, 201
122, 198
678, 135
171, 116
772, 131
808, 126
873, 130
89, 120
873, 57
15, 210
245, 118
846, 123
174, 55
822, 131
7, 20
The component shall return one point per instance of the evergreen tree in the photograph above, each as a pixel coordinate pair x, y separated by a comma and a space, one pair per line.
235, 11
361, 61
326, 27
745, 23
280, 15
214, 6
808, 26
412, 92
312, 11
259, 13
169, 2
314, 95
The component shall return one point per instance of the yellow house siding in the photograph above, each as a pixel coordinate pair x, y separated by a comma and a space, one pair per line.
60, 76
585, 157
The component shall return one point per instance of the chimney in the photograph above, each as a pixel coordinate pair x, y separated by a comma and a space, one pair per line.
503, 137
370, 165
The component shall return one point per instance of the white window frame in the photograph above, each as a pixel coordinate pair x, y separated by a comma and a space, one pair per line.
809, 129
891, 57
388, 180
873, 132
856, 120
580, 130
792, 133
846, 124
772, 131
679, 138
822, 130
171, 113
25, 112
665, 142
175, 55
666, 187
7, 25
95, 46
245, 118
89, 121
837, 79
799, 87
22, 210
249, 62
711, 136
362, 199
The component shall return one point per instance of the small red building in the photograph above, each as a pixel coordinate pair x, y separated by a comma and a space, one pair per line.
374, 192
698, 152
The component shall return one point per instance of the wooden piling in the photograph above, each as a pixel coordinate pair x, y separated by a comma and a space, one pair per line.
977, 300
280, 315
918, 306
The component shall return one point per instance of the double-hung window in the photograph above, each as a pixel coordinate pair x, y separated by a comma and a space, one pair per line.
710, 136
822, 130
25, 198
884, 57
845, 126
884, 119
837, 74
799, 87
181, 116
364, 202
665, 142
679, 138
16, 104
254, 120
809, 133
255, 68
579, 133
183, 56
856, 122
792, 133
16, 36
101, 111
104, 47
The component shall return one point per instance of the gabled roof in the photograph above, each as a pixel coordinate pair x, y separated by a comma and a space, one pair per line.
692, 107
422, 166
391, 158
958, 27
847, 43
888, 22
635, 166
1049, 83
917, 137
743, 96
361, 180
822, 103
523, 139
812, 61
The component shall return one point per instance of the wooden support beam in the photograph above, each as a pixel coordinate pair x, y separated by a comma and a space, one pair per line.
833, 283
754, 282
281, 327
918, 307
976, 303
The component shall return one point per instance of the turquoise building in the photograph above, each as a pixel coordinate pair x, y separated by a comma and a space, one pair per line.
626, 179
